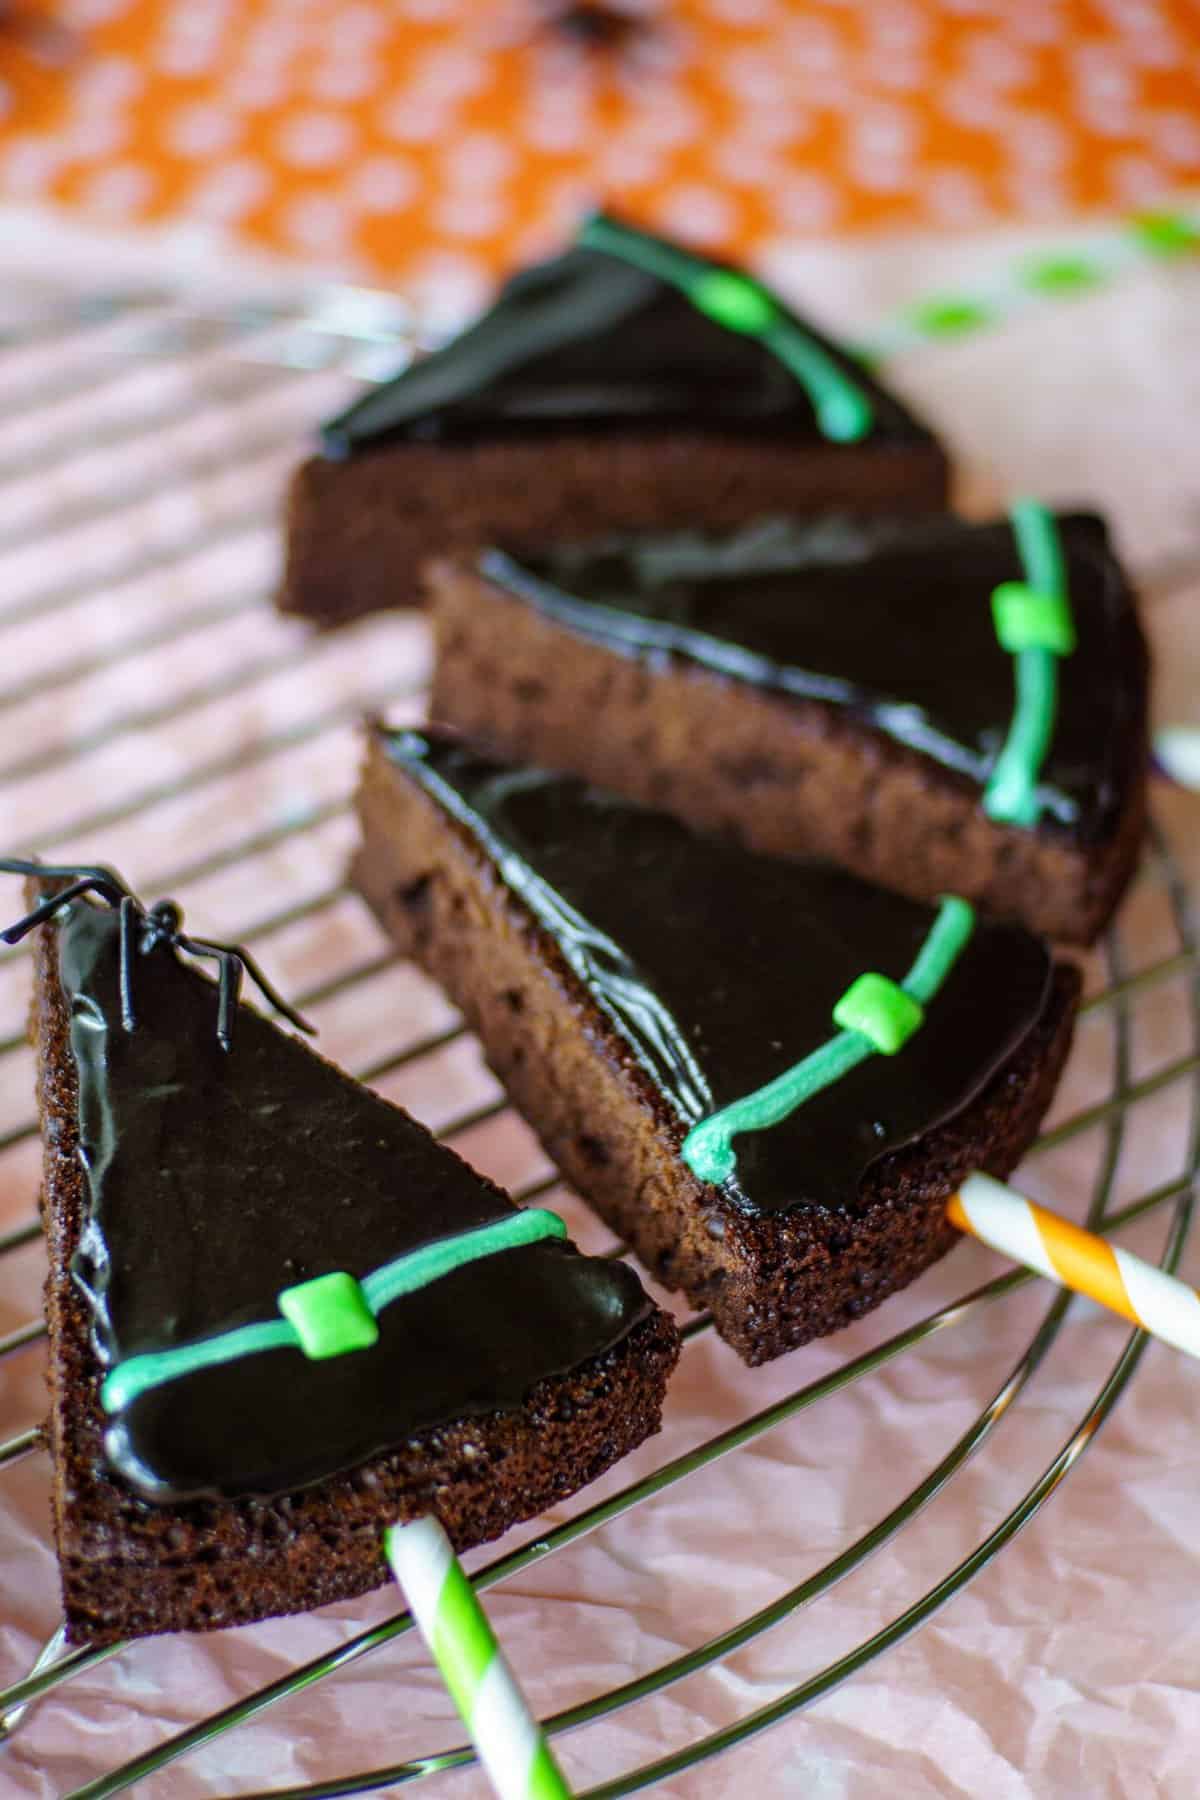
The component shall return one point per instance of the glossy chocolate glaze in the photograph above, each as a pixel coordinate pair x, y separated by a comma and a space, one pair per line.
891, 622
589, 343
214, 1179
719, 969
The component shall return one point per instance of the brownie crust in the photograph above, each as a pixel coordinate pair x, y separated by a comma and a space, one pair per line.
130, 1567
781, 775
772, 1282
359, 530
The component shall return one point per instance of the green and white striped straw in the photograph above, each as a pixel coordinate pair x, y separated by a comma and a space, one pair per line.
507, 1737
1176, 754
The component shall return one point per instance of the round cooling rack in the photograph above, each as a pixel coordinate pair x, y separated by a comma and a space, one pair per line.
159, 714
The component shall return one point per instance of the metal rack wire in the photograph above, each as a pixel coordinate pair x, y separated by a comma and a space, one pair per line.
167, 586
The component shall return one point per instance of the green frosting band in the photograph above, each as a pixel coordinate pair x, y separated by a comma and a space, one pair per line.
708, 1149
948, 937
1011, 792
405, 1275
735, 302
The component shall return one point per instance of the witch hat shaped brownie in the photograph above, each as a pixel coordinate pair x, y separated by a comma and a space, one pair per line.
281, 1315
767, 1075
937, 705
629, 383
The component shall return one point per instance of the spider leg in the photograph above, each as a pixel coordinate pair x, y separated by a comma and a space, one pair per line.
228, 991
271, 993
93, 883
19, 865
203, 946
229, 982
131, 915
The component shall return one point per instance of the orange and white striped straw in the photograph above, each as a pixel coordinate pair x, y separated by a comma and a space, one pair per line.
1078, 1259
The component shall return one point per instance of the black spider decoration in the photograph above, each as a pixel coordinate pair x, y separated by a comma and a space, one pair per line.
594, 26
142, 929
42, 38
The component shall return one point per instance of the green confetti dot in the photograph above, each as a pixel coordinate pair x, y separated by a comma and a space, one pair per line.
1062, 274
733, 301
950, 318
1165, 233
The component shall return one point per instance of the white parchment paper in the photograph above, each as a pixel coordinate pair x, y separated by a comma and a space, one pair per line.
137, 496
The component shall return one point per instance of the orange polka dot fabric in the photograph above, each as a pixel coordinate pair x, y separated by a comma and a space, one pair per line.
439, 140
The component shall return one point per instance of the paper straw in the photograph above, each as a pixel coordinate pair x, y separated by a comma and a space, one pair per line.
1167, 1308
507, 1737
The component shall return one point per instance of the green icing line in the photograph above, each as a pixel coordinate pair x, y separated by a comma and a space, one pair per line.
708, 1149
948, 938
154, 1367
670, 264
405, 1275
843, 411
735, 302
1011, 792
433, 1261
1041, 551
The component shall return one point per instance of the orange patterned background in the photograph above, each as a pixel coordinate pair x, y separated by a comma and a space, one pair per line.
426, 139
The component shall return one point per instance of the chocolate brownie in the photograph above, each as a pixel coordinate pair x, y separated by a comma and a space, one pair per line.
836, 688
632, 982
281, 1314
627, 384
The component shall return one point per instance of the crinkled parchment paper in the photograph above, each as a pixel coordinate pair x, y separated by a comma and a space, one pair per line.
137, 492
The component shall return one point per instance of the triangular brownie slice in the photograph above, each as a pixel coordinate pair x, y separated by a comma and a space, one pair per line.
281, 1314
846, 687
631, 982
628, 383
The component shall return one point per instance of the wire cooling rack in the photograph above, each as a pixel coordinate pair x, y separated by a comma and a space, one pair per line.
159, 714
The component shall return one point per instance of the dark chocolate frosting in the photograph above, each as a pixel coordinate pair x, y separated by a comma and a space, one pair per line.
718, 969
215, 1179
890, 621
588, 343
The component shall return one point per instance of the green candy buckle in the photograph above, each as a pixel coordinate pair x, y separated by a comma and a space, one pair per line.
880, 1009
734, 302
330, 1315
1027, 619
